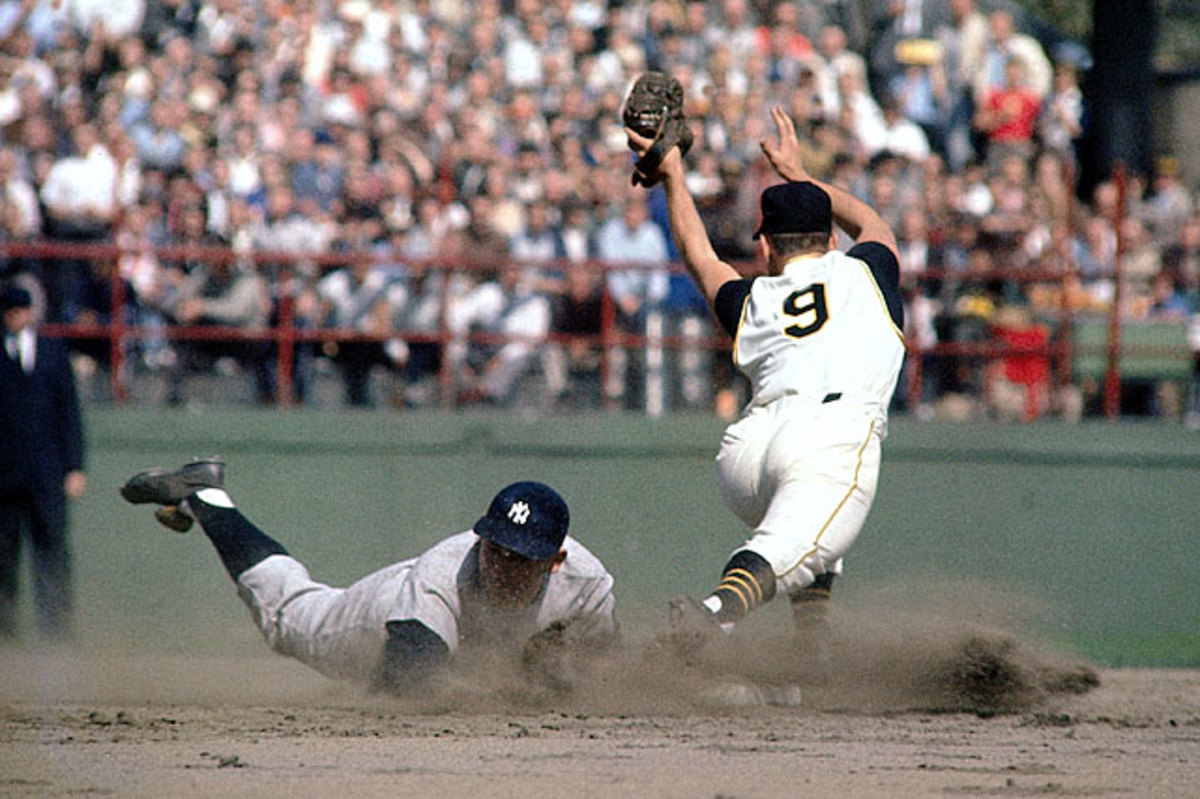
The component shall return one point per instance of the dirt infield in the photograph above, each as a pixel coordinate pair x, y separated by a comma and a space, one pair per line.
885, 709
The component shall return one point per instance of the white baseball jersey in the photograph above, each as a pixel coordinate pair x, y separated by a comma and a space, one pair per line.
341, 632
821, 344
822, 330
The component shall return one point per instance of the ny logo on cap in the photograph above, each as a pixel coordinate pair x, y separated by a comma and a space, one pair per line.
519, 512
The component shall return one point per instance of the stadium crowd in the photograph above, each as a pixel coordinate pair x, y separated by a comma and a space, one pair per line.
487, 134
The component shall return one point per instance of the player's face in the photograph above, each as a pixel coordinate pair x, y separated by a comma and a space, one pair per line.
511, 581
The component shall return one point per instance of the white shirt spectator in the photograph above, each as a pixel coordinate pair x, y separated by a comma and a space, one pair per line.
351, 303
82, 186
522, 64
369, 54
618, 243
903, 137
121, 18
1005, 43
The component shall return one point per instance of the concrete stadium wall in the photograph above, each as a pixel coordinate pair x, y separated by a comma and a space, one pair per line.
1097, 523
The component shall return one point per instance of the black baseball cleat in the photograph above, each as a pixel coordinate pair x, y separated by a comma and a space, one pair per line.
172, 486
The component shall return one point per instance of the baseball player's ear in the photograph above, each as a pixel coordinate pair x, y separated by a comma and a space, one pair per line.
560, 557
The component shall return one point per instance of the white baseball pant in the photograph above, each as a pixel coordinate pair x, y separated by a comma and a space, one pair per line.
803, 479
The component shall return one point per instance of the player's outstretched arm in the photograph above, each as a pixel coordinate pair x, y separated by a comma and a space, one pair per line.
691, 239
412, 654
854, 216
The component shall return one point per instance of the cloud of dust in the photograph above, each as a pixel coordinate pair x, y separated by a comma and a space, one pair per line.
951, 646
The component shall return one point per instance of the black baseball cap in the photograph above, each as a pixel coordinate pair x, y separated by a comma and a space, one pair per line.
529, 518
795, 207
13, 296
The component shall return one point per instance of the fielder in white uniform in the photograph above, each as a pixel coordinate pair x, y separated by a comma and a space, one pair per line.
820, 340
515, 574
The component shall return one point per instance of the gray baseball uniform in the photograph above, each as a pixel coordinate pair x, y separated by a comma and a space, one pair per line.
515, 575
341, 632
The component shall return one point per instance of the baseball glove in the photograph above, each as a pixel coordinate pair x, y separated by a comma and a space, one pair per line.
559, 656
654, 109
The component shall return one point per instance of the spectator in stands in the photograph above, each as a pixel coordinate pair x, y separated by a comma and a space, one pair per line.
1181, 258
1141, 261
361, 299
576, 231
513, 311
912, 242
900, 135
1169, 204
838, 59
572, 366
158, 140
538, 244
1061, 123
221, 293
1019, 383
631, 238
964, 41
860, 115
1008, 115
919, 94
480, 240
1167, 302
1011, 216
93, 351
79, 200
1093, 254
298, 98
1006, 43
420, 321
140, 267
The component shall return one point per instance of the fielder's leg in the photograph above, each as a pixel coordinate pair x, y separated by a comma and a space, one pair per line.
810, 605
747, 581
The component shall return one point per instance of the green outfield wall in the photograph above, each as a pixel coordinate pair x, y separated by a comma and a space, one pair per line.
1096, 525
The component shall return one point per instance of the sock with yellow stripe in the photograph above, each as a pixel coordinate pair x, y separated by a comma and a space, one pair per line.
747, 582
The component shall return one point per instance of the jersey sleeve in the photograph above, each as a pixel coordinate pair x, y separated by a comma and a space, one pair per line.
598, 607
411, 655
582, 591
886, 271
429, 594
729, 302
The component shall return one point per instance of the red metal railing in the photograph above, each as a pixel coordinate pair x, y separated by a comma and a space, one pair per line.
286, 335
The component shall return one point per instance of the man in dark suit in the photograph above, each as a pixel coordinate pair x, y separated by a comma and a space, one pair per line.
41, 465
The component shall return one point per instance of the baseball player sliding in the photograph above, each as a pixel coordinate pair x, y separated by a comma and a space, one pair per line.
515, 581
820, 340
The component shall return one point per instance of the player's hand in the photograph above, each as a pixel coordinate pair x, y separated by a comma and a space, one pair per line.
785, 155
641, 145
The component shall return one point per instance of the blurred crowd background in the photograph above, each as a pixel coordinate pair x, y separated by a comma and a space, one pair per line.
444, 189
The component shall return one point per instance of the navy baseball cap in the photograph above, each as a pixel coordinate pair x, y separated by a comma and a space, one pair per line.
796, 207
529, 518
13, 296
